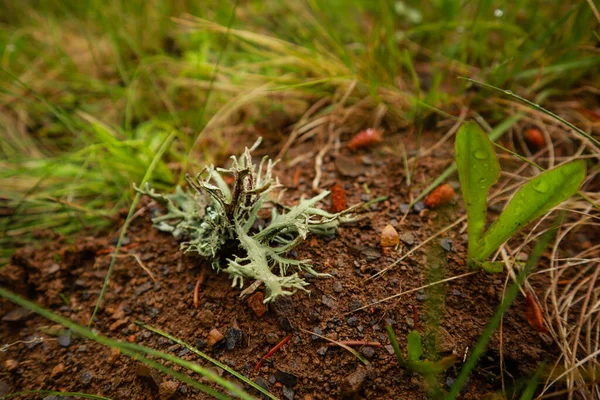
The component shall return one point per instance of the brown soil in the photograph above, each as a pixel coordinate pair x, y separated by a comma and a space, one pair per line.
67, 277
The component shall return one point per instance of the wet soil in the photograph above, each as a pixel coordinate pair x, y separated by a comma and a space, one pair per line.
66, 277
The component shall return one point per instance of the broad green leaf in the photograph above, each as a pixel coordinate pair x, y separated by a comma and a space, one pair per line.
533, 200
478, 170
414, 347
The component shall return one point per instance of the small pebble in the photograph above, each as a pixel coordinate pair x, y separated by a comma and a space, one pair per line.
214, 337
318, 331
352, 321
86, 378
328, 301
65, 339
233, 338
288, 393
337, 287
367, 351
446, 244
322, 350
206, 318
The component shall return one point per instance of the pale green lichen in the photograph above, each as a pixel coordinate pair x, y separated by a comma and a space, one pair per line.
215, 219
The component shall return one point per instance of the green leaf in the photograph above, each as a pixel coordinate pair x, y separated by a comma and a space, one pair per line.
478, 170
395, 345
533, 200
494, 267
415, 349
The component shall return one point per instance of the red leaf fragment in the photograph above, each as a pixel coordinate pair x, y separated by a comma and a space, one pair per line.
366, 138
439, 196
338, 198
534, 314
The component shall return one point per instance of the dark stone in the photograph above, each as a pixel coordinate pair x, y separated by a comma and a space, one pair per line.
322, 350
153, 312
143, 288
65, 338
367, 351
419, 206
288, 393
200, 343
318, 331
328, 301
86, 378
354, 304
446, 244
408, 238
272, 379
233, 338
182, 389
337, 287
183, 352
286, 378
403, 207
353, 321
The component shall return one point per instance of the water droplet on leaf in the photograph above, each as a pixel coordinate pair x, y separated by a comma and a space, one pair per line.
480, 154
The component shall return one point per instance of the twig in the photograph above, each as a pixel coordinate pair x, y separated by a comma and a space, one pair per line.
353, 343
197, 288
273, 350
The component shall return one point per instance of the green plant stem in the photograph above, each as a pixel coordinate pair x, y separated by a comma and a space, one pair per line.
208, 358
135, 351
509, 297
163, 148
55, 392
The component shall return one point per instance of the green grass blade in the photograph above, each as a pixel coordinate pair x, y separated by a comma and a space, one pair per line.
163, 148
414, 347
509, 296
537, 107
57, 393
394, 341
533, 200
478, 170
209, 359
136, 351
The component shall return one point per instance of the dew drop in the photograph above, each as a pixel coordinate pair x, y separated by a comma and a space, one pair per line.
498, 13
480, 154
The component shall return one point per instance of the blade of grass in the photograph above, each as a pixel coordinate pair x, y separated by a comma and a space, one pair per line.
509, 297
163, 148
135, 351
57, 393
394, 341
537, 107
208, 358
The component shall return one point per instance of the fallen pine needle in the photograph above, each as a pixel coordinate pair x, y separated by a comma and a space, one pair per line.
273, 350
354, 343
341, 344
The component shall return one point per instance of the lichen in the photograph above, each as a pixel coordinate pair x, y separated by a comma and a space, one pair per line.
224, 224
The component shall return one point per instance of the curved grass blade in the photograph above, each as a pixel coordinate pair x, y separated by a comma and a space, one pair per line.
533, 200
414, 346
137, 352
57, 393
209, 359
478, 170
161, 151
537, 107
509, 296
394, 341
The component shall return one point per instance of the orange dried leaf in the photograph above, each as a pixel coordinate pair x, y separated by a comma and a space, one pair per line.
365, 138
535, 138
338, 198
439, 196
534, 314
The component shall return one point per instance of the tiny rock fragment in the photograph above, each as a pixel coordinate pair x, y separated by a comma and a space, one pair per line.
167, 389
286, 378
256, 303
11, 365
389, 237
57, 370
353, 383
206, 318
338, 198
365, 138
233, 338
214, 337
441, 195
534, 138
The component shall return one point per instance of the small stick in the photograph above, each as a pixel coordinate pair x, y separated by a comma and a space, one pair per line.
354, 343
197, 288
272, 351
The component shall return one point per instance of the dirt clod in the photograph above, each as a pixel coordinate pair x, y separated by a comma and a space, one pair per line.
233, 338
256, 303
353, 383
206, 318
167, 389
286, 378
